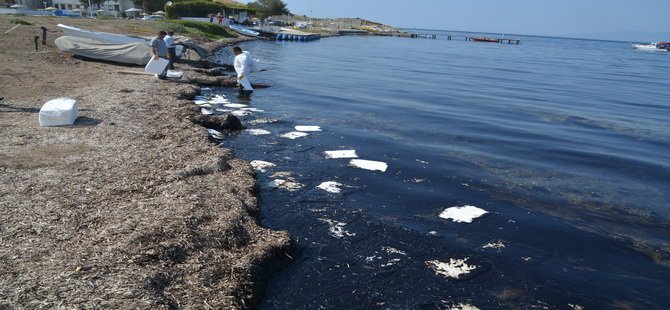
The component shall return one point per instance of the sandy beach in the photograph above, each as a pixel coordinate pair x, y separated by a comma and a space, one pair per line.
132, 206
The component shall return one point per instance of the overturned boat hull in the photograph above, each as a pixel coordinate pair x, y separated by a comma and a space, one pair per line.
105, 37
102, 44
136, 53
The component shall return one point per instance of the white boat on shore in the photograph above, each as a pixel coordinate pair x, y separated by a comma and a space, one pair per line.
182, 43
654, 47
105, 37
244, 30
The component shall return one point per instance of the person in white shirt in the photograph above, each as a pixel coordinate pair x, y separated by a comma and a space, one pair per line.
244, 64
169, 42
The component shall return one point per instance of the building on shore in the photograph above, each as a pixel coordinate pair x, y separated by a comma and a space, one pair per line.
109, 7
31, 4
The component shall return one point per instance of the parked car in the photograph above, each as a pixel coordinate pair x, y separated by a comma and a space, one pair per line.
152, 17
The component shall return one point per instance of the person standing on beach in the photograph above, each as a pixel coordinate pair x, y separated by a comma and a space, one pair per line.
219, 18
211, 17
244, 64
159, 50
172, 51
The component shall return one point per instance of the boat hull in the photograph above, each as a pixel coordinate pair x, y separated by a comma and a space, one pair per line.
136, 53
244, 31
654, 47
104, 37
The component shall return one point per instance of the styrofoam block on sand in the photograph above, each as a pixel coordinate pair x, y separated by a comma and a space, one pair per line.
59, 112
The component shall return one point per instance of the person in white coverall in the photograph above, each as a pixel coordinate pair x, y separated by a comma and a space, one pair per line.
244, 64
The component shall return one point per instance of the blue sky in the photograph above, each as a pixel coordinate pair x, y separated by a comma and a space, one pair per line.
609, 19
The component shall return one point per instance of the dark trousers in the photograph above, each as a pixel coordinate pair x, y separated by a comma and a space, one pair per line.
172, 57
164, 73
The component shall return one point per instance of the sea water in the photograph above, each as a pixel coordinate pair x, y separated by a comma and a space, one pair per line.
563, 144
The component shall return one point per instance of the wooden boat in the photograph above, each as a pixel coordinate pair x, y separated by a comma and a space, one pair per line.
482, 39
244, 30
654, 47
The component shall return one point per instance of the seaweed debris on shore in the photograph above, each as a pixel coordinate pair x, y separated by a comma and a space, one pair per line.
132, 206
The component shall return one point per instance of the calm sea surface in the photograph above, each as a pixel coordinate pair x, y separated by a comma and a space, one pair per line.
566, 143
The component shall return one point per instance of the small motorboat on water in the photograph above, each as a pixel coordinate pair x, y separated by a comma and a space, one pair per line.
654, 47
244, 30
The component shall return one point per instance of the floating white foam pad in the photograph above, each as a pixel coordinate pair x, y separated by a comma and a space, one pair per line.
331, 187
307, 128
464, 214
260, 165
258, 132
369, 164
341, 154
294, 135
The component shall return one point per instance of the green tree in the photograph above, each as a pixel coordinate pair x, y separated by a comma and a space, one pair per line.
149, 6
265, 8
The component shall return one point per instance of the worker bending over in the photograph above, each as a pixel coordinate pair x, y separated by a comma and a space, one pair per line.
244, 64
